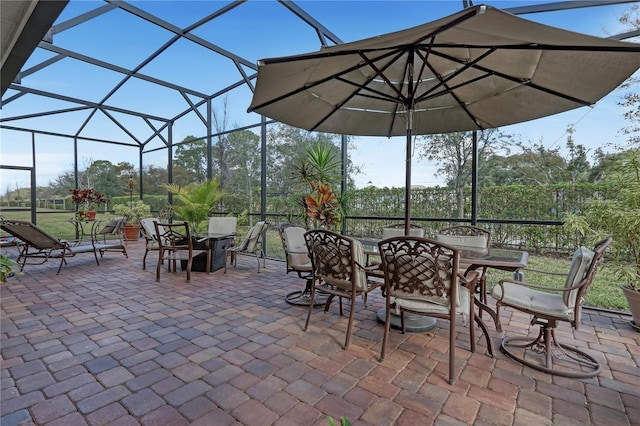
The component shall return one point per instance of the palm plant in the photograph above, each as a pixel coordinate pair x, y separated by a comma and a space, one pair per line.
317, 172
195, 201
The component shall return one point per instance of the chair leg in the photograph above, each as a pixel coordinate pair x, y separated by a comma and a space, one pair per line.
472, 321
158, 266
350, 323
311, 305
452, 350
387, 326
189, 268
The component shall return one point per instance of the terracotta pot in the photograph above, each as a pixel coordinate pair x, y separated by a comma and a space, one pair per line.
131, 232
91, 214
633, 298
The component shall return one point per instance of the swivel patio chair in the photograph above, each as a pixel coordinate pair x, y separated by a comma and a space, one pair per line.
549, 306
423, 277
250, 245
470, 238
338, 270
175, 243
297, 259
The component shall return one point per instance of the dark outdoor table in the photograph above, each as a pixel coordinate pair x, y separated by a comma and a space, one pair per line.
218, 243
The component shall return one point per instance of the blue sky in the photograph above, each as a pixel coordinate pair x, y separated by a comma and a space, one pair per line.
255, 30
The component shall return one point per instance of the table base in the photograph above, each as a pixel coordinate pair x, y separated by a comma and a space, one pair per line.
412, 323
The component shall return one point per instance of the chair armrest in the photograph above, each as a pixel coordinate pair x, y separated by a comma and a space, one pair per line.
538, 271
468, 279
533, 286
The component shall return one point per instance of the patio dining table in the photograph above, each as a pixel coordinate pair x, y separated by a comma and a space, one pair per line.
496, 258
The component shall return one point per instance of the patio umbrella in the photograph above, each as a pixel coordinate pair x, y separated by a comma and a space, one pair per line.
479, 68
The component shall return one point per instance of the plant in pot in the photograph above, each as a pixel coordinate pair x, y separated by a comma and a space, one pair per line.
194, 202
617, 214
6, 268
322, 206
86, 200
132, 212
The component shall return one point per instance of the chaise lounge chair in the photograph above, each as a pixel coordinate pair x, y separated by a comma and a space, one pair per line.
40, 246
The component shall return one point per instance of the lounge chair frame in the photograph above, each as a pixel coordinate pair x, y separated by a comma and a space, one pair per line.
39, 246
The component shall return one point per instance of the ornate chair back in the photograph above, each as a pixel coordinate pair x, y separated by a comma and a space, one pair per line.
338, 265
422, 276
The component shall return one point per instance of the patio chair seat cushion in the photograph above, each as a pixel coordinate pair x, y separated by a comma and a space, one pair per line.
528, 299
432, 306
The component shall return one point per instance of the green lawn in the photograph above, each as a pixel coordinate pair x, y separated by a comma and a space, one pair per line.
604, 292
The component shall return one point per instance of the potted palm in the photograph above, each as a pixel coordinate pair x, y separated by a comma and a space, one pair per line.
322, 206
617, 216
195, 201
132, 212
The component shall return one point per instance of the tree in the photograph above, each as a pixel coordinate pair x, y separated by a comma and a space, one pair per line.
631, 99
190, 161
454, 152
153, 179
244, 170
222, 145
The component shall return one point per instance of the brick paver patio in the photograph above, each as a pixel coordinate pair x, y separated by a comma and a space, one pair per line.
108, 345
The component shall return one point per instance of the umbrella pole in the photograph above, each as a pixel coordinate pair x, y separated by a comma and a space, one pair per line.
407, 190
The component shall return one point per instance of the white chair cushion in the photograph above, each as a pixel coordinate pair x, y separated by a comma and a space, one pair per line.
297, 251
252, 238
361, 274
523, 297
399, 232
579, 266
465, 242
462, 308
223, 225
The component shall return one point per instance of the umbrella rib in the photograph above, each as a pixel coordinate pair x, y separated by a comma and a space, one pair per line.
379, 72
449, 89
324, 80
526, 82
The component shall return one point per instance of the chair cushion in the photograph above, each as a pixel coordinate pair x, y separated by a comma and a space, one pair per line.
253, 236
465, 242
361, 274
430, 307
414, 231
297, 252
522, 297
223, 225
579, 266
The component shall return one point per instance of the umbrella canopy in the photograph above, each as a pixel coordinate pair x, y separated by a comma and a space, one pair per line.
477, 69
